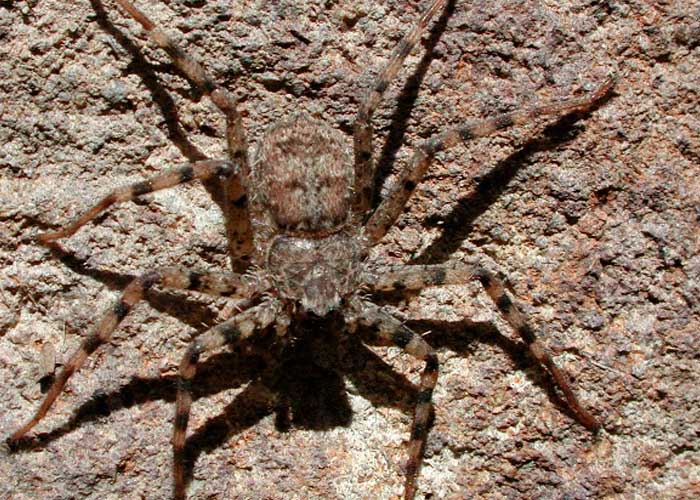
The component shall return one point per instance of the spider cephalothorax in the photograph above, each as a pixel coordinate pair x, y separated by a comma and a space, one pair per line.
301, 216
317, 272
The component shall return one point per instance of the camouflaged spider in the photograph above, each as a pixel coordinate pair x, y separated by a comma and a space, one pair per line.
300, 216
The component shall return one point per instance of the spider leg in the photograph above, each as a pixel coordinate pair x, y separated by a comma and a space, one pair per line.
391, 330
175, 278
236, 329
204, 169
238, 226
402, 277
364, 168
392, 206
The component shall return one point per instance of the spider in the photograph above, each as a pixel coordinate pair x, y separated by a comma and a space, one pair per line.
300, 219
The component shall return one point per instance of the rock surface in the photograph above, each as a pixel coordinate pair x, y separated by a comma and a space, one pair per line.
594, 219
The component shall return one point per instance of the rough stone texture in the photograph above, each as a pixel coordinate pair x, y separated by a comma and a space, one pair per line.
594, 220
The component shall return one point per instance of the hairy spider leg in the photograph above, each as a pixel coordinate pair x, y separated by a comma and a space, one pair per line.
362, 137
204, 169
392, 206
402, 277
238, 224
172, 277
236, 329
391, 330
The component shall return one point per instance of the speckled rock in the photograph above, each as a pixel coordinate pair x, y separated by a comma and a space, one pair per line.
594, 219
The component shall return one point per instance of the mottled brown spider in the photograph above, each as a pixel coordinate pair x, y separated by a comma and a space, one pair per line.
300, 217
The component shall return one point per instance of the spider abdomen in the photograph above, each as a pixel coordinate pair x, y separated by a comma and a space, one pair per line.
304, 171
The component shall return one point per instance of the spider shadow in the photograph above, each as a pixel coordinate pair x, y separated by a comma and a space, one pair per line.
457, 336
237, 369
146, 71
303, 387
451, 335
456, 226
301, 384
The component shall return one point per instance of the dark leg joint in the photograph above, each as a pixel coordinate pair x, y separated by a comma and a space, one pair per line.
484, 277
433, 146
404, 48
13, 444
121, 310
224, 170
240, 202
418, 431
142, 188
186, 174
209, 86
424, 397
431, 363
193, 353
149, 279
195, 281
397, 285
362, 117
231, 332
504, 303
439, 276
184, 384
504, 121
401, 338
181, 420
466, 134
527, 334
91, 344
179, 455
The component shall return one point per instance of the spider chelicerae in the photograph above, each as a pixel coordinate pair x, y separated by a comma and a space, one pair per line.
300, 224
